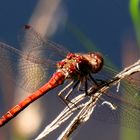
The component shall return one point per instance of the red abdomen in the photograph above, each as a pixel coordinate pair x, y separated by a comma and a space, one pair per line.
57, 79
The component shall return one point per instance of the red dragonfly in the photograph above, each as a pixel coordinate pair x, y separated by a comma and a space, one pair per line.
76, 66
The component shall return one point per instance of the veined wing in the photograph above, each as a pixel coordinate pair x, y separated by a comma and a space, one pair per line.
126, 101
30, 68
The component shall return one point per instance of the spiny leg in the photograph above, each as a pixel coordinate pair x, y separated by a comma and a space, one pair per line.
70, 91
96, 81
93, 80
79, 86
90, 79
61, 92
85, 85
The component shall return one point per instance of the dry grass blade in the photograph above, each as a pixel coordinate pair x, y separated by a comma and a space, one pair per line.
80, 118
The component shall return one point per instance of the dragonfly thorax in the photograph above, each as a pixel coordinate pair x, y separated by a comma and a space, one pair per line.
79, 65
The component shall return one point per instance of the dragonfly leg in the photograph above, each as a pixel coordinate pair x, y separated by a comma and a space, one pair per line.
86, 80
79, 83
70, 91
86, 87
92, 79
97, 82
62, 91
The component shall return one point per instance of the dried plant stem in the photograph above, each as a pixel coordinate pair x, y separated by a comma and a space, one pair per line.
80, 118
62, 117
85, 109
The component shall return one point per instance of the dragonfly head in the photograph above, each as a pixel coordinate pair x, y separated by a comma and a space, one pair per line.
95, 60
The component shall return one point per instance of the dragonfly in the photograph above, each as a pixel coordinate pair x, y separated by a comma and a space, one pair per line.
75, 67
81, 69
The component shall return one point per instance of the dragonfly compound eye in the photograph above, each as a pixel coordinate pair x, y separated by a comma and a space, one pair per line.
95, 60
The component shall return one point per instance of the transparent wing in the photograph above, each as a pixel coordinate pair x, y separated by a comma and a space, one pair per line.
126, 101
30, 68
38, 46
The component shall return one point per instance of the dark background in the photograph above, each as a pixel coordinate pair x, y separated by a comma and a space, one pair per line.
106, 23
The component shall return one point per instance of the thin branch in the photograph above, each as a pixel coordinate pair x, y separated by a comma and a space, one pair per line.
80, 118
63, 116
86, 109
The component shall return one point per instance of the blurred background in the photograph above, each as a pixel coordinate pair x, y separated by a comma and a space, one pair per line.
110, 26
